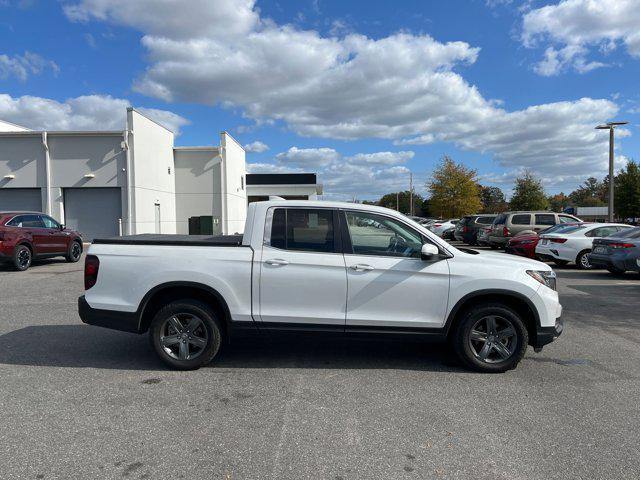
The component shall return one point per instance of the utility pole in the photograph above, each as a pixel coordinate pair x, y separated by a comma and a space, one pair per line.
410, 193
610, 126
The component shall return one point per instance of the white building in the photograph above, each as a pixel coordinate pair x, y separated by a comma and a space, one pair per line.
134, 181
106, 183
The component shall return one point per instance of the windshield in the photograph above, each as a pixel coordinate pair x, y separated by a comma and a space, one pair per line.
572, 229
560, 228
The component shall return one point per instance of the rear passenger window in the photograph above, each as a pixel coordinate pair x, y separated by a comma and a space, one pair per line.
545, 219
303, 229
521, 220
27, 221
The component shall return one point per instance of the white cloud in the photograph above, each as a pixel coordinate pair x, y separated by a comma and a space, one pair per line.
403, 87
90, 112
308, 157
577, 25
256, 147
22, 66
363, 175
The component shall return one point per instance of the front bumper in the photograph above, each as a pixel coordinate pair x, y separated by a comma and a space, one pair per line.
498, 241
115, 320
546, 335
521, 251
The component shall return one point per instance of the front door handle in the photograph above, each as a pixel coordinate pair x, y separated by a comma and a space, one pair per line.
276, 261
361, 267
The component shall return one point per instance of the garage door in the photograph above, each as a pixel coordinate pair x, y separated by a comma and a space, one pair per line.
94, 212
20, 199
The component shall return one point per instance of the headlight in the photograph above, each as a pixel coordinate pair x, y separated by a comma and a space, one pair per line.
545, 277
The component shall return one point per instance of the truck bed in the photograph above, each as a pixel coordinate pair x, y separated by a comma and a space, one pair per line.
168, 239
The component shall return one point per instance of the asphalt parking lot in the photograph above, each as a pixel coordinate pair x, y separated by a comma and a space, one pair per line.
83, 402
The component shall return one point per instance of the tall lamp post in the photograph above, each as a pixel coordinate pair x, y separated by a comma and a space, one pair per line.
611, 127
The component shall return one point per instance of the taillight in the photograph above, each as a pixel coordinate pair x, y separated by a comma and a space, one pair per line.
505, 232
91, 267
557, 240
621, 245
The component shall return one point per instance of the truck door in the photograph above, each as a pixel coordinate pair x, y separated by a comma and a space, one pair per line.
389, 286
303, 278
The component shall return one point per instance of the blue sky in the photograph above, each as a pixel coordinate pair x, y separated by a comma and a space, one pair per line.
361, 92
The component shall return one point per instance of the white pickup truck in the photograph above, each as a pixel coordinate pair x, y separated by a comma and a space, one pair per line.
320, 266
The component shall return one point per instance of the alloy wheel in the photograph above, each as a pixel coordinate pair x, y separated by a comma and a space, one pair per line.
76, 250
24, 258
493, 339
584, 261
184, 336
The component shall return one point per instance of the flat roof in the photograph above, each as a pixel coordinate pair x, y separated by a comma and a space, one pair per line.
281, 179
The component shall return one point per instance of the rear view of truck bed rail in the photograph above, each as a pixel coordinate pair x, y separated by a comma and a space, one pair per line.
178, 240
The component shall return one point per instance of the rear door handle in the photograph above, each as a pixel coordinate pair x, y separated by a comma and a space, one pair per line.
276, 261
361, 267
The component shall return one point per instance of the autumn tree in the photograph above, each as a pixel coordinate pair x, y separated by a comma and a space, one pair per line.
454, 190
528, 194
558, 202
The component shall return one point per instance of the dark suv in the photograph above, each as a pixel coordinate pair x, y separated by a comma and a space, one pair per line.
25, 236
467, 228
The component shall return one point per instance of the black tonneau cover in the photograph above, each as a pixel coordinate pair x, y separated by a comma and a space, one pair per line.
168, 239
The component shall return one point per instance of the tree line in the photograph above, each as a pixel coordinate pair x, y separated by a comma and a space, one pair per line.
455, 191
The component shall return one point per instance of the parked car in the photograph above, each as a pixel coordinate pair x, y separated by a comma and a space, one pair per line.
25, 236
482, 236
449, 233
524, 243
314, 266
575, 243
509, 224
467, 228
617, 253
440, 227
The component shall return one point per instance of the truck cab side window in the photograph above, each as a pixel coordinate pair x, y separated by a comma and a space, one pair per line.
382, 236
303, 229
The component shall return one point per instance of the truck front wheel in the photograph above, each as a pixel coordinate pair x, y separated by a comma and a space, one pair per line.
185, 334
490, 337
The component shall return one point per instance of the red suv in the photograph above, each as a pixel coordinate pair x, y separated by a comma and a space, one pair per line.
28, 235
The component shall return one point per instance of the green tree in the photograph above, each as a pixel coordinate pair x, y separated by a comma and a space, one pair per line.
558, 202
627, 192
454, 190
592, 193
493, 200
391, 200
528, 194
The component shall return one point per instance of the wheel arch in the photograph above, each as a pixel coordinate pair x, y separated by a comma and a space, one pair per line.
26, 243
168, 292
516, 301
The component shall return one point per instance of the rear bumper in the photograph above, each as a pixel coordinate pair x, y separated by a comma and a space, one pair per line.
521, 251
616, 262
123, 321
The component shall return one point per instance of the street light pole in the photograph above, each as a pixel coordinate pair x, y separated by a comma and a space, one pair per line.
611, 127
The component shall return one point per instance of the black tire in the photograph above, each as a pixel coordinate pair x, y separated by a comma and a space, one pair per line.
582, 260
560, 263
616, 271
496, 362
22, 258
494, 247
208, 332
75, 252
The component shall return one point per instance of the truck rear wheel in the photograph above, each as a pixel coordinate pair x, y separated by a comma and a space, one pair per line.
185, 334
490, 338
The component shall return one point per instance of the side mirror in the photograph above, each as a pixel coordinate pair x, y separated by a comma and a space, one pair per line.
428, 251
61, 227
